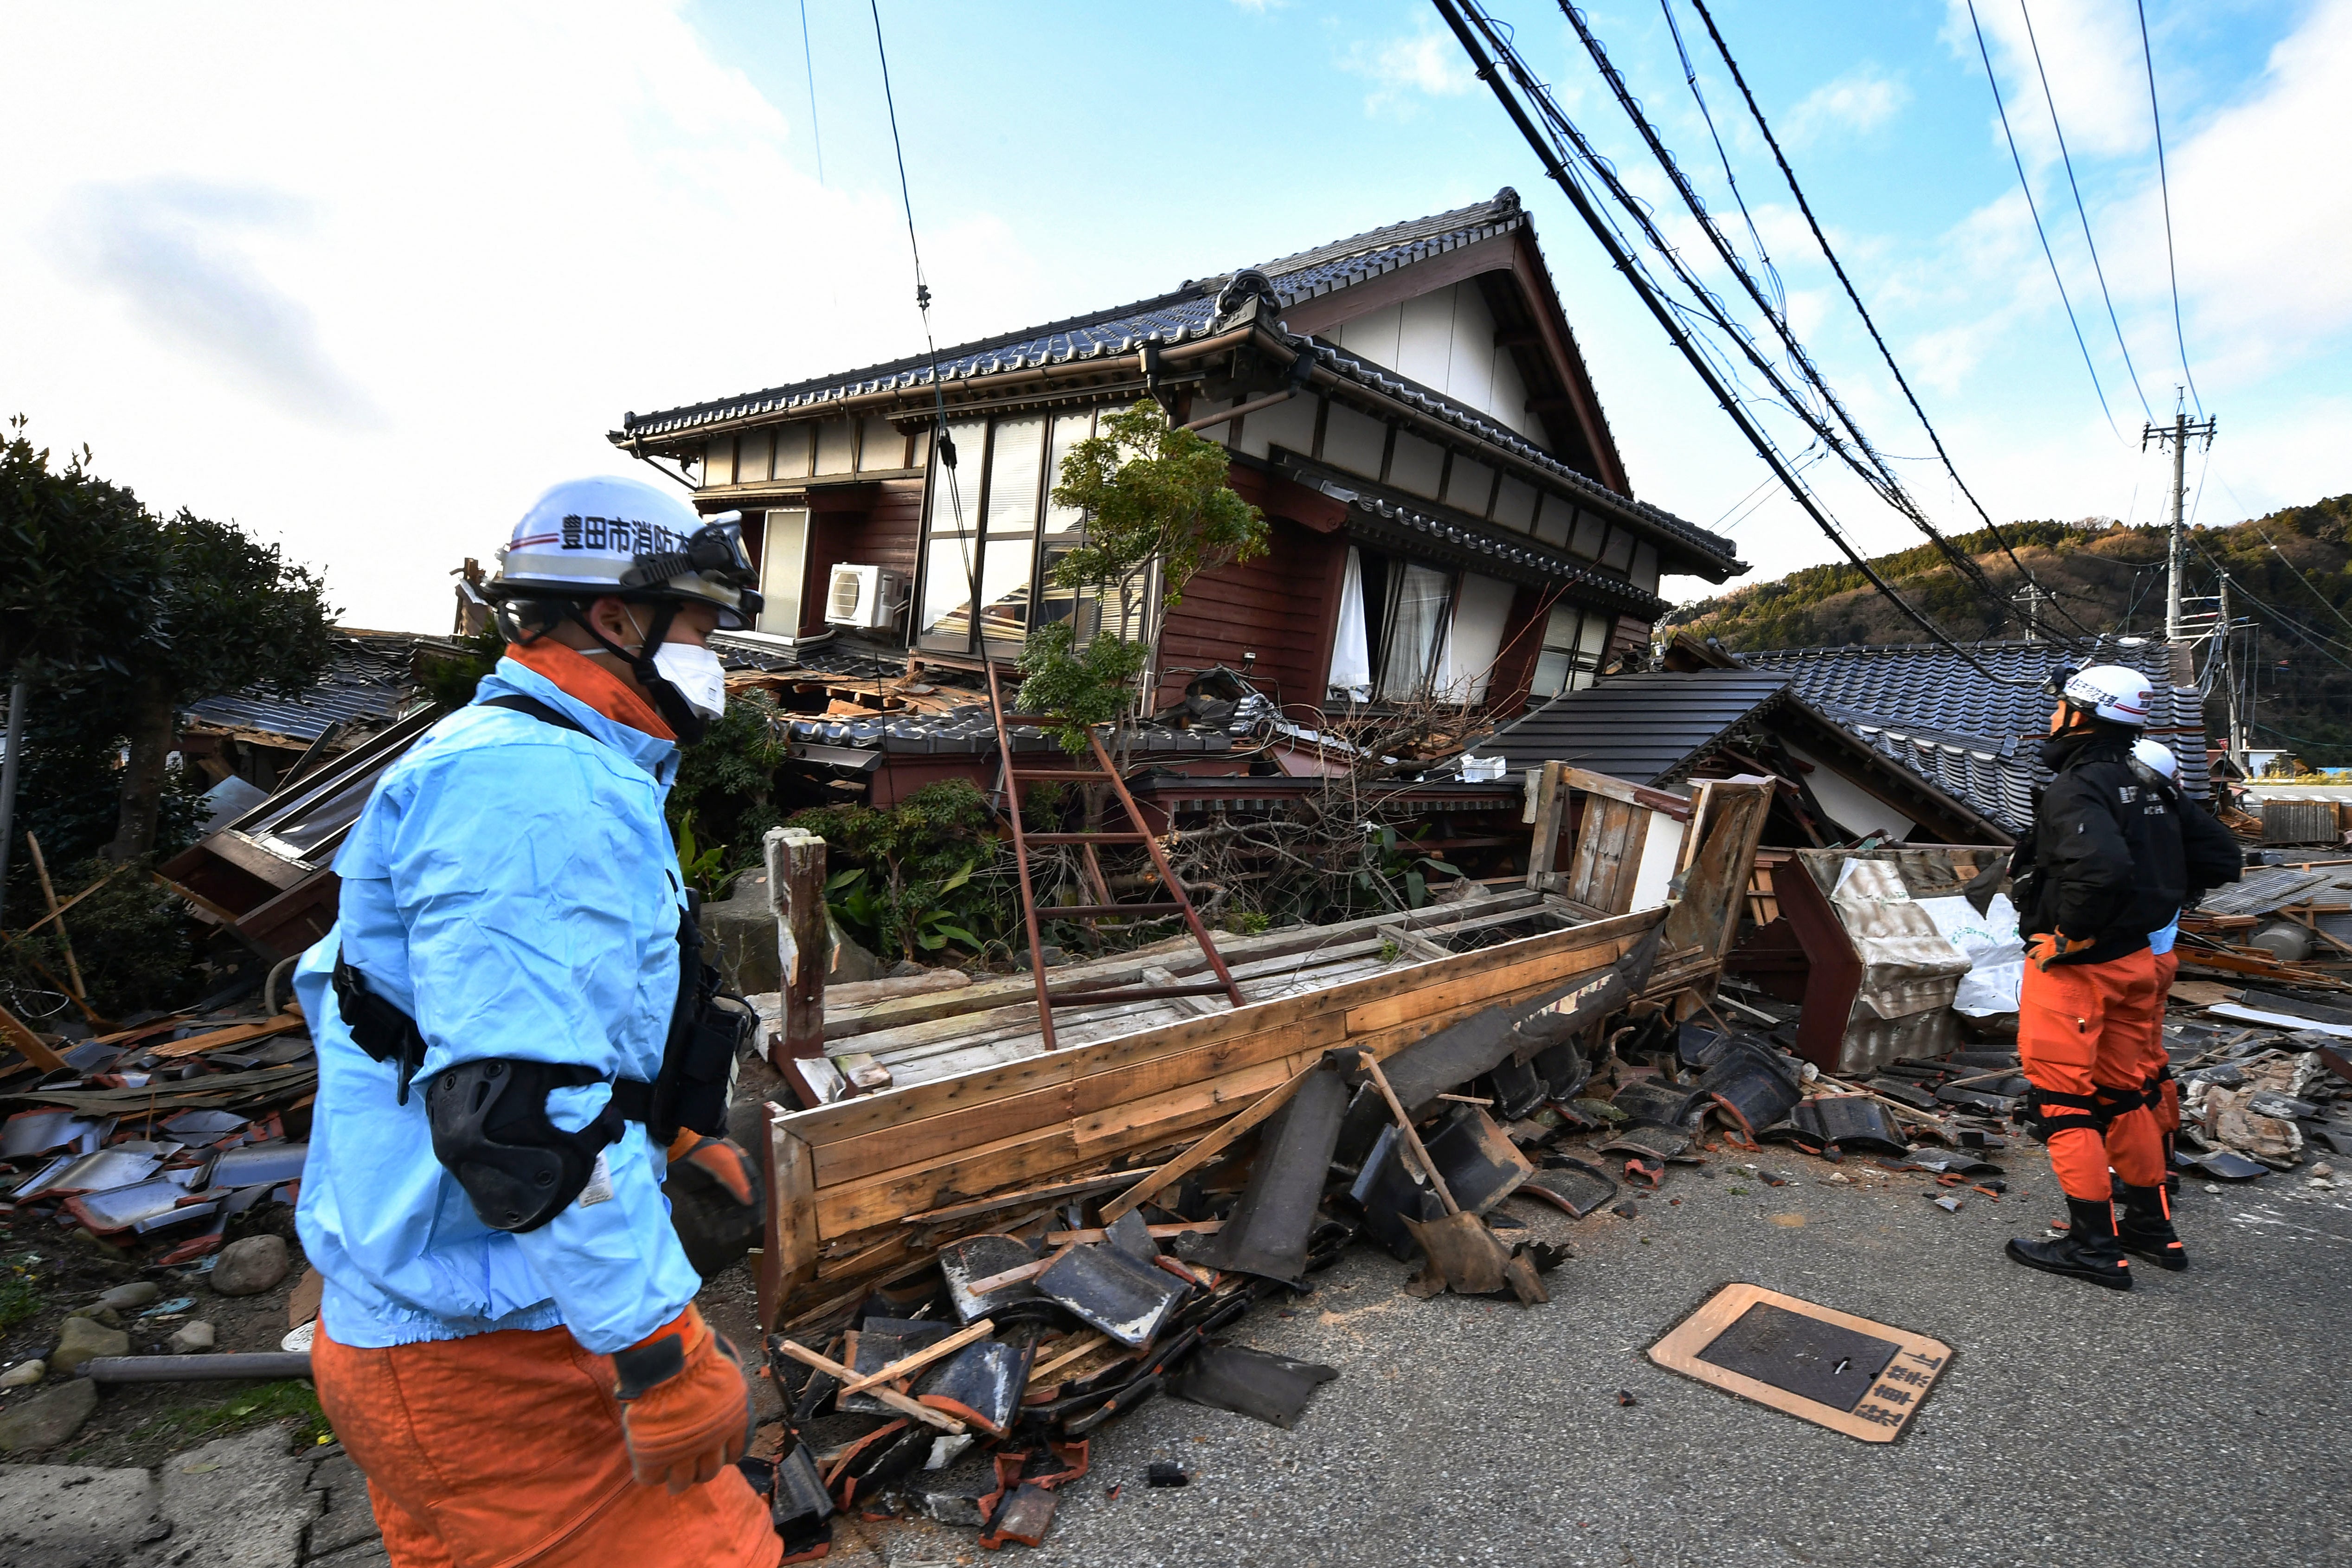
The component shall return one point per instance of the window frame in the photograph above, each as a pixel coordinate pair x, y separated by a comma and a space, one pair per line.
979, 640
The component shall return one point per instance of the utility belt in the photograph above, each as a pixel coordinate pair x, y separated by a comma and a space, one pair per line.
2046, 1111
707, 1027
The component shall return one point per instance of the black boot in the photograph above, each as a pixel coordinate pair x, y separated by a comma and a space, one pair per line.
2147, 1229
2088, 1251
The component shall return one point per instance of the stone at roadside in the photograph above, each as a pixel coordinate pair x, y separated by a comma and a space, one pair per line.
740, 933
236, 1502
194, 1339
64, 1516
348, 1521
100, 1314
249, 1266
79, 1339
47, 1419
25, 1373
138, 1293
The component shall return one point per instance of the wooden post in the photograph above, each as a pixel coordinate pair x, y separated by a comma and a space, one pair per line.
788, 1251
18, 1032
1550, 800
41, 870
803, 943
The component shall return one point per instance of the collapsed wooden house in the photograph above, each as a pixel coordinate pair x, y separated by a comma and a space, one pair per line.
1449, 513
866, 1188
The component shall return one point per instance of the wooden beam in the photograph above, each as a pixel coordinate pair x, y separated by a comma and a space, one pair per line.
908, 1366
20, 1034
788, 1252
890, 1396
1206, 1149
237, 1035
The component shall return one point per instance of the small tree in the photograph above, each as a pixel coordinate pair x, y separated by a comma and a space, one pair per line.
1153, 494
234, 615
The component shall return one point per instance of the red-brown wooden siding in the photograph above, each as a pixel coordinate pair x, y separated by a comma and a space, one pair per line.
886, 536
1278, 606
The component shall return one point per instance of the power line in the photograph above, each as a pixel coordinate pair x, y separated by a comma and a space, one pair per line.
1480, 33
943, 445
1852, 293
2164, 185
2299, 577
2284, 621
808, 59
1690, 75
2080, 211
1869, 466
2027, 187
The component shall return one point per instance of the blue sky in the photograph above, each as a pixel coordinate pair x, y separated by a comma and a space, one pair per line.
369, 287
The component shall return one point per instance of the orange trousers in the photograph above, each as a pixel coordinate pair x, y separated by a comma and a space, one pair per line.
2082, 1028
504, 1450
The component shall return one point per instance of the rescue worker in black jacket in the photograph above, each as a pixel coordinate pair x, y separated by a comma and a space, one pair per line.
2102, 868
2211, 857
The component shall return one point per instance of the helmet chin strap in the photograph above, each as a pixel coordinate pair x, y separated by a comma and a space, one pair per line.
668, 700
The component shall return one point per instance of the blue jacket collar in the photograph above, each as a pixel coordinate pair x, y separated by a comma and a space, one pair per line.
656, 755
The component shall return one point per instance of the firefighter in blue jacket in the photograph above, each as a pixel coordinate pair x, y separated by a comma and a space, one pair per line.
515, 1033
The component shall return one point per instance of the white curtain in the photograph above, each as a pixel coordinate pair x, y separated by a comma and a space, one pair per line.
1420, 600
1351, 651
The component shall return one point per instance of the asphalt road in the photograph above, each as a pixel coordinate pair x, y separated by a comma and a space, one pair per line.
2198, 1419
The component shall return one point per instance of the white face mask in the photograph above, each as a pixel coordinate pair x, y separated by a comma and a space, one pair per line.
697, 673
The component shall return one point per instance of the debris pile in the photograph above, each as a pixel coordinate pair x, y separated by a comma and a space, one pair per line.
150, 1139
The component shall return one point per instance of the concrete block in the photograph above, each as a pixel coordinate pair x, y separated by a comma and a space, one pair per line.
66, 1516
236, 1502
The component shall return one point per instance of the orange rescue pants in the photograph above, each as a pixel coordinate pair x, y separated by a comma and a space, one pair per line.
2082, 1031
504, 1450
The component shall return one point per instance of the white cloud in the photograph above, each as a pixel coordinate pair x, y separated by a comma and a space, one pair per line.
1427, 64
2092, 56
2261, 216
1861, 101
368, 284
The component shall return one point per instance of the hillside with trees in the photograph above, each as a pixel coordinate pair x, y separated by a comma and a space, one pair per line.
2290, 574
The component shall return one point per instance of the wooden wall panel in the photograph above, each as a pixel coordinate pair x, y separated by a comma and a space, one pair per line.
1277, 606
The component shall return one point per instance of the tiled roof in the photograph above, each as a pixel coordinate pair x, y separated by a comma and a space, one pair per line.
370, 679
1638, 728
1510, 556
1188, 313
1922, 704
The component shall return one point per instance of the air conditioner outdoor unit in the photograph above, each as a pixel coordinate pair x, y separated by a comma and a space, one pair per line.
864, 596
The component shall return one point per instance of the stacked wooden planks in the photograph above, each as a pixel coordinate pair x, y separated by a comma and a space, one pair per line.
846, 1179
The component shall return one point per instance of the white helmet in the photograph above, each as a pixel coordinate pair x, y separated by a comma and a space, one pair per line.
607, 535
590, 539
2156, 757
2113, 693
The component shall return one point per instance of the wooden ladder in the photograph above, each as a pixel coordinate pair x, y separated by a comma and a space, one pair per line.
1175, 903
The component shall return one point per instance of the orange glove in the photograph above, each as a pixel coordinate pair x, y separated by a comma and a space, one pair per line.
685, 1407
2044, 947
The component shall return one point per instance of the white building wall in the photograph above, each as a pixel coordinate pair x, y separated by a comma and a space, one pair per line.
1446, 340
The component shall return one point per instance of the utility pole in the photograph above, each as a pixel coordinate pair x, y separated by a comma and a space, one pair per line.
2224, 649
2178, 438
2029, 601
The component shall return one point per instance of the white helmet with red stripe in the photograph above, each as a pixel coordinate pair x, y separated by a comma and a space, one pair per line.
587, 538
2115, 692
